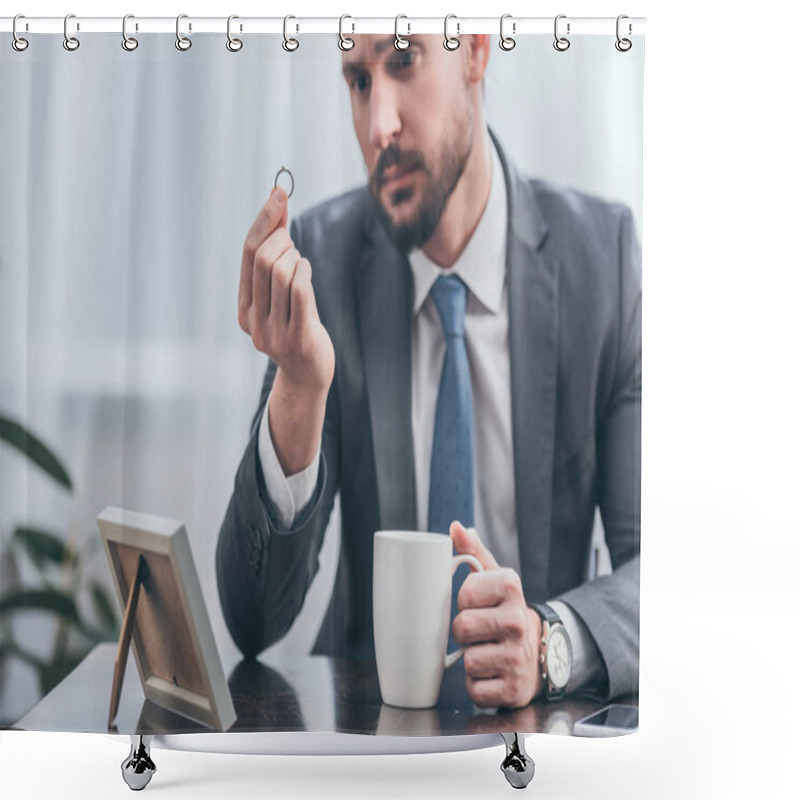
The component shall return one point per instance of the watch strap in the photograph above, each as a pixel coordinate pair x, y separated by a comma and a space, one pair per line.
551, 617
546, 613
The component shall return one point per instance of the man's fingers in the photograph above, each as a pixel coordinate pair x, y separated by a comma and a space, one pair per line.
280, 286
487, 692
488, 589
273, 247
474, 625
301, 296
259, 310
466, 540
274, 214
489, 660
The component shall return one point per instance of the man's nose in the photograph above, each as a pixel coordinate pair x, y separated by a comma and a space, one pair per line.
384, 123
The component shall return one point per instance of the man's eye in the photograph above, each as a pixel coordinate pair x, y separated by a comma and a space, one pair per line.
359, 83
403, 59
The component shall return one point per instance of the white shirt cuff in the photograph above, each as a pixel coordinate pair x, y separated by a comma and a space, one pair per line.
290, 494
587, 664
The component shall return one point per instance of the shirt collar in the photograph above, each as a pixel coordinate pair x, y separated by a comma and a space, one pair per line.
481, 265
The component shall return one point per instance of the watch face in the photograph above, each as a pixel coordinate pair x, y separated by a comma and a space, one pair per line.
559, 657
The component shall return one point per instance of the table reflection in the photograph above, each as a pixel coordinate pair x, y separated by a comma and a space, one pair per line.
289, 693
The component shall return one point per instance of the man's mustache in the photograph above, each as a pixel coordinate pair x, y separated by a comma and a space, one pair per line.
393, 156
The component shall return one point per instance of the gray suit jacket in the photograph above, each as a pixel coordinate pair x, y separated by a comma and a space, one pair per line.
574, 284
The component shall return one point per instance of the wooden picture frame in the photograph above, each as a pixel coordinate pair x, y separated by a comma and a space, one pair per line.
172, 641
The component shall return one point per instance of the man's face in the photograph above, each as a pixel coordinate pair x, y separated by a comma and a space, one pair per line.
412, 112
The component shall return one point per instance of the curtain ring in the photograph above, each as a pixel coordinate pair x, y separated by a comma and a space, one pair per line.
181, 42
128, 42
561, 43
345, 42
18, 43
451, 42
289, 45
70, 42
233, 44
507, 42
400, 42
623, 45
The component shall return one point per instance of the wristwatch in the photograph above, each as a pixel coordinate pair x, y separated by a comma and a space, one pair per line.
555, 655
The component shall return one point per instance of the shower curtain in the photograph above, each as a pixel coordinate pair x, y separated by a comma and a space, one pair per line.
133, 182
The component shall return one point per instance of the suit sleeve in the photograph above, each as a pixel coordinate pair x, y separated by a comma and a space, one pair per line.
609, 605
263, 569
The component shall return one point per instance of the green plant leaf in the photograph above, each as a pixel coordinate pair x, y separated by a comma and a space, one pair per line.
52, 674
35, 449
42, 547
103, 607
11, 648
48, 600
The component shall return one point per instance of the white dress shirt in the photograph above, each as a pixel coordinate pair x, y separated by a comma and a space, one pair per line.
482, 267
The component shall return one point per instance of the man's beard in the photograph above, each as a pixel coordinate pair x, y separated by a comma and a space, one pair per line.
415, 232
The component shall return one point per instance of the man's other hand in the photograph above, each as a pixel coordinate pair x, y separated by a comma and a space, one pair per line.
500, 633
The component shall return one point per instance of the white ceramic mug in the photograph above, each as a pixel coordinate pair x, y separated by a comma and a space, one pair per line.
411, 589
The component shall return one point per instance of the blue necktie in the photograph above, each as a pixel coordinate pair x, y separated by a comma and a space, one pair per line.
451, 492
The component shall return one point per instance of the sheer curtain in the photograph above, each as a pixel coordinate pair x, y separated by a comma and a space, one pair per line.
128, 182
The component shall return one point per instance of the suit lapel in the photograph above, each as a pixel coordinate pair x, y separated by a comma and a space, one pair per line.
384, 297
533, 344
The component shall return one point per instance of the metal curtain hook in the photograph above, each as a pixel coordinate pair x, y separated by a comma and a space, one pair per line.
70, 42
18, 43
128, 42
507, 42
234, 45
345, 42
181, 42
561, 43
289, 45
623, 45
451, 42
400, 42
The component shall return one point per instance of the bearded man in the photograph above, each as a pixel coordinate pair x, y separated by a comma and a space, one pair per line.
467, 360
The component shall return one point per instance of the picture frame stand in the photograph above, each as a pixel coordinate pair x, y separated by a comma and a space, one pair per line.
126, 634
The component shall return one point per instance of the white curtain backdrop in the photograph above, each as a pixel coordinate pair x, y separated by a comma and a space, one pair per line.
127, 184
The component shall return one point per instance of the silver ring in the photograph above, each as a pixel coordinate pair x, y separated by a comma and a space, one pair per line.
623, 45
234, 45
181, 42
451, 42
128, 42
289, 45
400, 42
345, 42
291, 177
70, 42
507, 42
561, 43
18, 43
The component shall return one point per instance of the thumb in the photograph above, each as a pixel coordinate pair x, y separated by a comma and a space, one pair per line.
466, 541
284, 218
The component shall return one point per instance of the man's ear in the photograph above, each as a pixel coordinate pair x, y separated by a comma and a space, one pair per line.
476, 55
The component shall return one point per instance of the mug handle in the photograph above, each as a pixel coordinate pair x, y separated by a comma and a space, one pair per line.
451, 658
